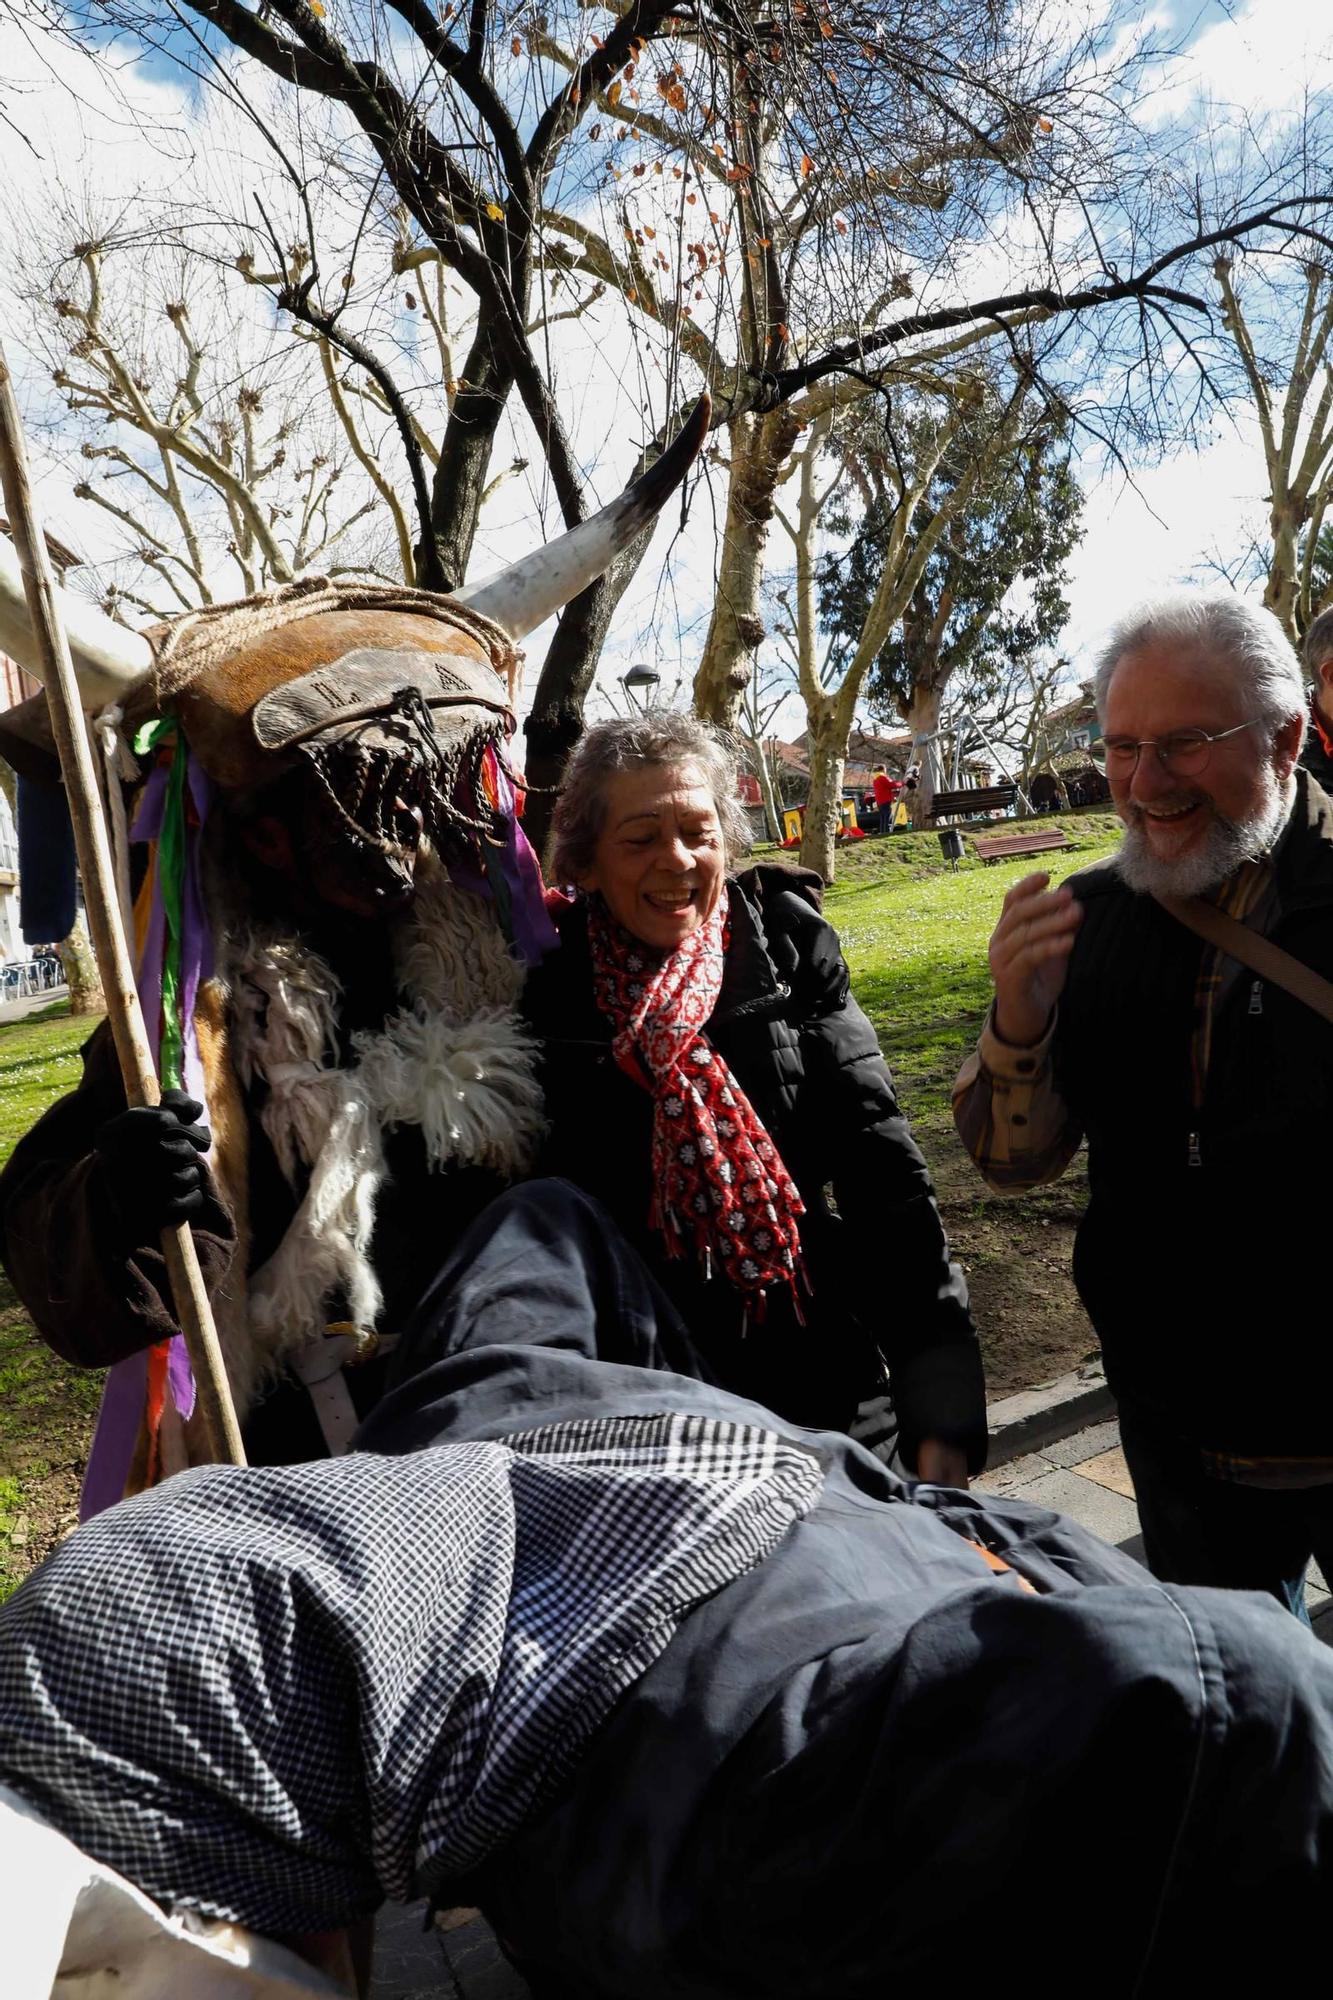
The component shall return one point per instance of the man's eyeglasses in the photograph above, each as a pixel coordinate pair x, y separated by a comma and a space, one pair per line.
1184, 753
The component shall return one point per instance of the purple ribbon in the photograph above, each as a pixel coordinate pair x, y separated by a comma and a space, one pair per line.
124, 1396
505, 872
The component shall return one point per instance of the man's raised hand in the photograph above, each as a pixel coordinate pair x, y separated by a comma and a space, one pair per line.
1029, 957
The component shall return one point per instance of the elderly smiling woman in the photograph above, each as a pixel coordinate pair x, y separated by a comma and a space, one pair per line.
712, 1082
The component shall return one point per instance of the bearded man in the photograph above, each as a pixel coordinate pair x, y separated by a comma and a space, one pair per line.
1205, 1092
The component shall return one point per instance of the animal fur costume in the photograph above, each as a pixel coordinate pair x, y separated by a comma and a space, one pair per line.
349, 1018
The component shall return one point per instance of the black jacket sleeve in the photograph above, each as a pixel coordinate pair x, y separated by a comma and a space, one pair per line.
93, 1297
894, 1235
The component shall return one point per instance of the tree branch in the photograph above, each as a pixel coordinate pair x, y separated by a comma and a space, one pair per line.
771, 390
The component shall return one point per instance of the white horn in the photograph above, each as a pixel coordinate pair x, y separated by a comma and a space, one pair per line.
519, 598
108, 658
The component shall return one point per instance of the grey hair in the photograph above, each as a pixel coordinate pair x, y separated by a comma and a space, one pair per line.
1319, 641
628, 743
1224, 626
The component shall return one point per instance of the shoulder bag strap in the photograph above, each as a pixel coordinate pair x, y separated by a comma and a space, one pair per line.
1259, 953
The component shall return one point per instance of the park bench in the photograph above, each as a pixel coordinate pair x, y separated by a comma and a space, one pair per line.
1001, 846
975, 800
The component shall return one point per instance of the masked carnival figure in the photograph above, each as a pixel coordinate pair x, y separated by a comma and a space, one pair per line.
333, 906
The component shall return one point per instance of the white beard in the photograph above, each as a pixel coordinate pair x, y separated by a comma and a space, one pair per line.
1227, 846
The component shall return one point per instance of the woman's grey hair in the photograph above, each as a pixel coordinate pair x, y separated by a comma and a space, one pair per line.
1226, 628
663, 736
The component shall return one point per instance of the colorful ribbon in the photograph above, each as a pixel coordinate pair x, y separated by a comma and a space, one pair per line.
504, 869
174, 957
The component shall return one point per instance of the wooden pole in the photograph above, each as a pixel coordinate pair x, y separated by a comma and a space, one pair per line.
193, 1311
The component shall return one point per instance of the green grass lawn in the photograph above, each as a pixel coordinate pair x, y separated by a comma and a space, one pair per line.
916, 945
39, 1061
915, 934
46, 1408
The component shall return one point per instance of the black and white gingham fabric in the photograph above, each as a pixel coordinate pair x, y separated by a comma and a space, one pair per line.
277, 1695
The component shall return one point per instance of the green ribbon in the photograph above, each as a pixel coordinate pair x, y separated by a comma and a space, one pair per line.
171, 864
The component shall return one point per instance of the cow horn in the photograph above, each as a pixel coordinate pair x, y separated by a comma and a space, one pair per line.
520, 597
109, 659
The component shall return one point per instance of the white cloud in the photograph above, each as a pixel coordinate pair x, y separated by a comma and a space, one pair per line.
88, 118
1163, 530
1262, 59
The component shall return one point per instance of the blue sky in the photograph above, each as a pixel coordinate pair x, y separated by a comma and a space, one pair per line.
1154, 531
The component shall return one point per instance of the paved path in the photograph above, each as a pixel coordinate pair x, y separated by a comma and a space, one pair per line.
1086, 1476
31, 1003
463, 1964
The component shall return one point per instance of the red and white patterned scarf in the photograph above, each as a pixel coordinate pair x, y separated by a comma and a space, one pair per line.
718, 1179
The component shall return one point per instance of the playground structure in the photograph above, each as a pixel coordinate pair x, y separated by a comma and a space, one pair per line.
954, 798
793, 823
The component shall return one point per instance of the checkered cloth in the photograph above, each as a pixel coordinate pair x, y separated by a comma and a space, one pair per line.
277, 1695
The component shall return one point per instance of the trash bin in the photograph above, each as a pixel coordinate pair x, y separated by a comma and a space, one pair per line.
951, 844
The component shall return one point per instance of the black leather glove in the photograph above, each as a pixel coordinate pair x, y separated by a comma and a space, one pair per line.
152, 1158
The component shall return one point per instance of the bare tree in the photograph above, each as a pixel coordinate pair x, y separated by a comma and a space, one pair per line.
790, 239
81, 974
1285, 345
192, 441
832, 676
768, 688
802, 209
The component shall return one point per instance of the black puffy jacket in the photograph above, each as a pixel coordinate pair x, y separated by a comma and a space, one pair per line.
872, 1239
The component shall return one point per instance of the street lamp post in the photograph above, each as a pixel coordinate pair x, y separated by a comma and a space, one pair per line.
641, 684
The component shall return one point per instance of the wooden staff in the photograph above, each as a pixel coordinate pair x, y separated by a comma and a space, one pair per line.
104, 921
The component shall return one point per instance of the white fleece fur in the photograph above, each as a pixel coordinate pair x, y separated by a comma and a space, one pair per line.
327, 1245
450, 951
468, 1084
456, 1060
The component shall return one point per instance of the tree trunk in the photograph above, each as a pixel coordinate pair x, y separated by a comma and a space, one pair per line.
555, 722
923, 719
772, 811
760, 447
823, 816
81, 974
1282, 587
465, 456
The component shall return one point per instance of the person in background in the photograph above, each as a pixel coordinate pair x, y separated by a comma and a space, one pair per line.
1317, 752
886, 791
711, 1080
1205, 1093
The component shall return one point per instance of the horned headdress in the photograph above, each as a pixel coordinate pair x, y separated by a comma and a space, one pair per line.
370, 722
